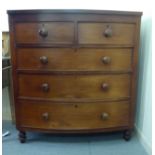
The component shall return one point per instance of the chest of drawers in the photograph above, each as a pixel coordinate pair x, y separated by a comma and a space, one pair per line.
74, 71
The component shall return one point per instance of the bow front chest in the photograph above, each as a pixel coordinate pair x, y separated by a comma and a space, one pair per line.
74, 71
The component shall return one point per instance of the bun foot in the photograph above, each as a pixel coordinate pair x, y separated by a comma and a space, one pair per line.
22, 136
127, 135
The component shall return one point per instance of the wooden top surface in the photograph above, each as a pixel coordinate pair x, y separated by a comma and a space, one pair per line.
108, 12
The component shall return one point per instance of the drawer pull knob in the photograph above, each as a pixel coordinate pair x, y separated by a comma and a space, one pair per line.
45, 116
104, 116
106, 60
43, 59
105, 86
108, 32
45, 87
43, 32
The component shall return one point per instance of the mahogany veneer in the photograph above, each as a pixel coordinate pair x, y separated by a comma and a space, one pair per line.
74, 71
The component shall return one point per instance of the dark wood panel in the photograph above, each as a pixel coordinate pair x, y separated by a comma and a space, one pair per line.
76, 16
45, 32
134, 80
73, 132
73, 46
106, 33
74, 86
75, 100
73, 116
74, 59
71, 72
72, 11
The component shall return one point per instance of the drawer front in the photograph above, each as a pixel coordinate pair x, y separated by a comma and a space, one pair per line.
65, 116
106, 33
68, 59
74, 86
45, 32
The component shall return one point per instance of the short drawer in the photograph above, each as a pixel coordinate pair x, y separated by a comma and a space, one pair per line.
106, 33
74, 86
69, 59
63, 116
45, 32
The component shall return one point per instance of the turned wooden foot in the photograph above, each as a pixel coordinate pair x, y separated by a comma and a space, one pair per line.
127, 135
22, 136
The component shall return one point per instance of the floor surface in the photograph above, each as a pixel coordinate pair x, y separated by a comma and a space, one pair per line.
47, 144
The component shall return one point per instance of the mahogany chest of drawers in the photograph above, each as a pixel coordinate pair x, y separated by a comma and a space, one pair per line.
74, 71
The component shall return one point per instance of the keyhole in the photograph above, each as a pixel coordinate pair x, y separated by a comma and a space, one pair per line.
76, 106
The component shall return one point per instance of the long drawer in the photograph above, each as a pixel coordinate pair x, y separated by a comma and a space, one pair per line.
69, 59
65, 116
74, 86
45, 32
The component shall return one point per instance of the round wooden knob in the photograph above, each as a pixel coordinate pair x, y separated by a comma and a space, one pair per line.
104, 116
45, 87
43, 32
106, 60
43, 59
45, 116
108, 31
105, 86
